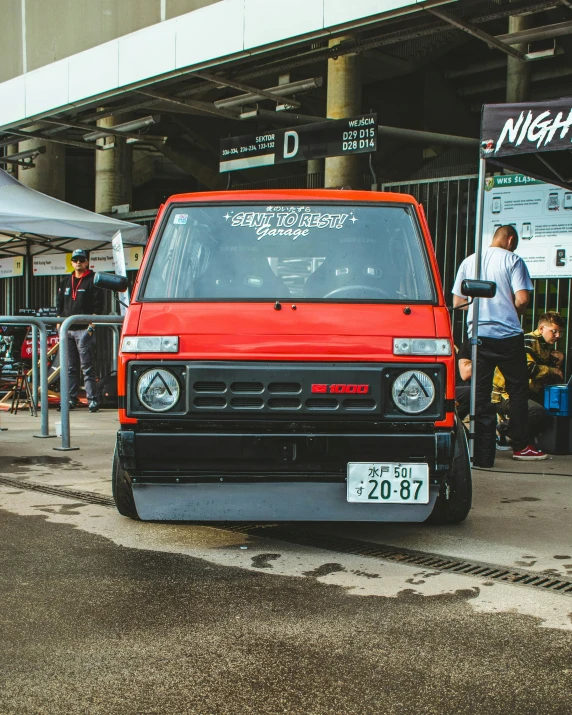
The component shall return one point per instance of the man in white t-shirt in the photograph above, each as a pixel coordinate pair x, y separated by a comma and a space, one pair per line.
501, 344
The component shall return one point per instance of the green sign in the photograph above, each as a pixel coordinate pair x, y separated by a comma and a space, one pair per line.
494, 182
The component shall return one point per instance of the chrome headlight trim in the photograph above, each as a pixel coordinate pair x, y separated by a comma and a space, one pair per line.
413, 392
158, 390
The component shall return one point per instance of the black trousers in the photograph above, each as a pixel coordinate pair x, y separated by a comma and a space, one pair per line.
537, 417
508, 355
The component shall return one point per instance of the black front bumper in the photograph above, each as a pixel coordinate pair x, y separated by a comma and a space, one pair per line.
191, 456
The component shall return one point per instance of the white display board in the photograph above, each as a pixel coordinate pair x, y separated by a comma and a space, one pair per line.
542, 216
52, 264
11, 266
103, 260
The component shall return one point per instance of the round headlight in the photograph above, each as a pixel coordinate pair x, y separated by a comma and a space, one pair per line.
413, 391
158, 390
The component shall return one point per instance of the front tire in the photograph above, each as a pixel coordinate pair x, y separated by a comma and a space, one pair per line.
456, 494
122, 490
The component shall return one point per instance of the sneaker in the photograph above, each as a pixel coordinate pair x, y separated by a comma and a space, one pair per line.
93, 406
529, 454
502, 445
72, 405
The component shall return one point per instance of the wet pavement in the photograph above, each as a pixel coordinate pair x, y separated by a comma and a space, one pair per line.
105, 615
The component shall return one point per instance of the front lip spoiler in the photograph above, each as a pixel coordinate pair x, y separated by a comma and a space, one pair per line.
275, 501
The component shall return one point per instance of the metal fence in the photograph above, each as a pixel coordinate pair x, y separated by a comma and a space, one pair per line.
450, 206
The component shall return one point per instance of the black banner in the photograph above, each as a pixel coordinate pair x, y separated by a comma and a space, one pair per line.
527, 128
337, 137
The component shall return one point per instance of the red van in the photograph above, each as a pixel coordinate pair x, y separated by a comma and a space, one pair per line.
287, 355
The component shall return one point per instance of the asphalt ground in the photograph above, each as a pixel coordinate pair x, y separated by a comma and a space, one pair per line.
105, 615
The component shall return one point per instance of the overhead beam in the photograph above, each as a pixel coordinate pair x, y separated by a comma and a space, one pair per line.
102, 130
477, 32
547, 32
284, 119
43, 137
414, 135
285, 90
249, 89
188, 104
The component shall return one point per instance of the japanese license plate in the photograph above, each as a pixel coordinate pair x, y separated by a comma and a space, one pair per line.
388, 483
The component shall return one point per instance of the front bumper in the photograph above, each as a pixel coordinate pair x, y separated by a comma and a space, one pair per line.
265, 476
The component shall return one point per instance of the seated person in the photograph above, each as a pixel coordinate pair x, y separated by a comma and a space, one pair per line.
544, 368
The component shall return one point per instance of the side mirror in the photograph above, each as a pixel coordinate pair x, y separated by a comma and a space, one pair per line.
479, 289
111, 281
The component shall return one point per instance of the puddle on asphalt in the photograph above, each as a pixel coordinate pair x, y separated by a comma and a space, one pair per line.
21, 465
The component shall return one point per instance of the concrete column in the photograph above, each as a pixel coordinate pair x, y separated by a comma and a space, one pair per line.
113, 171
315, 166
344, 100
49, 173
518, 73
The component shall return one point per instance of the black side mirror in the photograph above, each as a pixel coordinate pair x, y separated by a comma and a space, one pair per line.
479, 289
111, 281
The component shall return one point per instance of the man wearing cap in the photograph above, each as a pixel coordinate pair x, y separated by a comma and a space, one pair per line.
78, 296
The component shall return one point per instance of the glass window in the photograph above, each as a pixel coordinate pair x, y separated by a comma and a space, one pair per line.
302, 252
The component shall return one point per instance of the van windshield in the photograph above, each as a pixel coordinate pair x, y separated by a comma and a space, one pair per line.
311, 252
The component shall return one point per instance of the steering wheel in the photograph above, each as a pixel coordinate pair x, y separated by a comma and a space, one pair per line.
338, 292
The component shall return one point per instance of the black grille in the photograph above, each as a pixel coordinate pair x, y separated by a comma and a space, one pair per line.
247, 403
284, 403
282, 387
209, 387
353, 403
209, 403
255, 387
322, 403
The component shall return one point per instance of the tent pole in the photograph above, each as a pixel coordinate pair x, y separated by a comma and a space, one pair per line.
27, 285
474, 336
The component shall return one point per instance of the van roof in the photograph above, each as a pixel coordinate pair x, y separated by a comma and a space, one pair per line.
295, 195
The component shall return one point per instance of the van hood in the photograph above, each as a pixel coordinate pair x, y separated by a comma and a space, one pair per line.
301, 331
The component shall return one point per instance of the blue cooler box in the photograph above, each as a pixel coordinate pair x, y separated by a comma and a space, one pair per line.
557, 400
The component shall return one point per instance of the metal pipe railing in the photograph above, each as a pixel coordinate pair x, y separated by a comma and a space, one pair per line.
64, 367
39, 325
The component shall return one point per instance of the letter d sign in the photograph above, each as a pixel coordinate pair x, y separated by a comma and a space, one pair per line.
289, 153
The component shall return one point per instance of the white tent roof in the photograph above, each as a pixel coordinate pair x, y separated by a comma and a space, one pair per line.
29, 218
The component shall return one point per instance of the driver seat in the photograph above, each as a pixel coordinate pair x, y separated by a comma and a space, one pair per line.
342, 272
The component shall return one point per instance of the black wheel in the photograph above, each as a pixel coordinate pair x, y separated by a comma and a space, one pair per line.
122, 491
455, 497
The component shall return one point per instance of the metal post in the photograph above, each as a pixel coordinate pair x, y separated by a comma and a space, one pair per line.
25, 320
64, 368
35, 385
114, 348
475, 327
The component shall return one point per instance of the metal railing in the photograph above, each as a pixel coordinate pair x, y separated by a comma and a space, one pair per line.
64, 366
39, 325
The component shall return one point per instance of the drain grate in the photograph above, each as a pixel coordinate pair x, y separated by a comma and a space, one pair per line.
88, 497
340, 544
549, 582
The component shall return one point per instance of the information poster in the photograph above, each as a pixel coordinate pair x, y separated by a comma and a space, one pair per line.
542, 215
11, 266
52, 264
103, 260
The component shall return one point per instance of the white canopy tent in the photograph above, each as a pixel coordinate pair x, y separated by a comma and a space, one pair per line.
32, 223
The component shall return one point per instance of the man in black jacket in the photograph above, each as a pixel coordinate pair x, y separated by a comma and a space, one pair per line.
78, 296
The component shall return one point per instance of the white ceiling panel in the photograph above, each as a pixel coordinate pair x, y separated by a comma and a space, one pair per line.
147, 53
47, 88
337, 12
94, 71
209, 33
12, 100
268, 21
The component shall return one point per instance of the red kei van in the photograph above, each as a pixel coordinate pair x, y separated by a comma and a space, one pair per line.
288, 356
